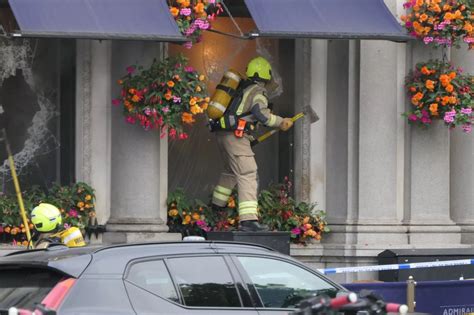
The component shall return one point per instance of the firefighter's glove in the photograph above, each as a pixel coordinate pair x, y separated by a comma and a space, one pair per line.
286, 124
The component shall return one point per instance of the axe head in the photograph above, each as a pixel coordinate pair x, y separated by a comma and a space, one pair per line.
310, 113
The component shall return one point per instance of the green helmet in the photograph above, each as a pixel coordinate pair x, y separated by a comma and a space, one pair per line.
259, 67
46, 217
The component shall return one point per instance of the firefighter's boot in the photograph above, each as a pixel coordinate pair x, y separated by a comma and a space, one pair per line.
252, 226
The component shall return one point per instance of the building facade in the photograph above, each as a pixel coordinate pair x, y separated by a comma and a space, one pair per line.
383, 183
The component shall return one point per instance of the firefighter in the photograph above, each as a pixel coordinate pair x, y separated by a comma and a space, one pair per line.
240, 167
47, 221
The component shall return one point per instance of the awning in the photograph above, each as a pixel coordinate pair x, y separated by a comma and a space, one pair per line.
96, 19
328, 19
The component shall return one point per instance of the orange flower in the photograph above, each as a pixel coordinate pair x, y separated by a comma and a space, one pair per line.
185, 4
429, 84
468, 27
452, 75
192, 101
187, 219
170, 84
445, 79
434, 109
132, 91
196, 216
136, 98
423, 17
446, 7
449, 16
204, 106
450, 88
425, 70
413, 89
196, 109
199, 8
173, 212
207, 99
420, 2
177, 77
453, 100
201, 77
120, 82
445, 100
174, 11
198, 89
187, 118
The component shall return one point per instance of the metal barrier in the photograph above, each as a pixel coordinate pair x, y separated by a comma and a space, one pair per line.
433, 297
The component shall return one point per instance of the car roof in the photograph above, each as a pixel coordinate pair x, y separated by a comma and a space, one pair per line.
112, 259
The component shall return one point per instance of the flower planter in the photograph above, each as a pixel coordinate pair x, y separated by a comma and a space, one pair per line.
279, 241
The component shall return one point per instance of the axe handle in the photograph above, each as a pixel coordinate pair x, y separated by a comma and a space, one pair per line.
268, 134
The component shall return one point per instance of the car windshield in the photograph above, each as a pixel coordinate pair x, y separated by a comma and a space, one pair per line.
25, 287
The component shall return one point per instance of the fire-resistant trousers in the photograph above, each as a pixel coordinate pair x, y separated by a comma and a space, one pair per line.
240, 169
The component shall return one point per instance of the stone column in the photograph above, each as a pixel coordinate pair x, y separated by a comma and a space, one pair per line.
139, 162
93, 114
318, 97
382, 69
429, 171
462, 162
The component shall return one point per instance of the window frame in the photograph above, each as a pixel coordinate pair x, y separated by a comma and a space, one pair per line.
239, 284
253, 290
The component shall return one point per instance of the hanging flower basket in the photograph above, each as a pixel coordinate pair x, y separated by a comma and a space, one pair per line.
194, 16
442, 22
437, 90
167, 96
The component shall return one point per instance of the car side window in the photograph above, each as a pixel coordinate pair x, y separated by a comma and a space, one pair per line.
154, 277
280, 284
204, 281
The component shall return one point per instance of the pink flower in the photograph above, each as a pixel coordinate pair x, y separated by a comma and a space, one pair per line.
188, 69
73, 213
188, 45
130, 119
466, 111
172, 133
296, 231
130, 69
413, 117
185, 11
427, 40
165, 109
116, 102
203, 225
425, 120
408, 24
147, 111
183, 136
176, 99
66, 226
467, 128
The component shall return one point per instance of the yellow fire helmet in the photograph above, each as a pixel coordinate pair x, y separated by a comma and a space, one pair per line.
46, 217
259, 67
72, 237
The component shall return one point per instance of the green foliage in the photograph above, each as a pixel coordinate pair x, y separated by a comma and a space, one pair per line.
76, 203
277, 209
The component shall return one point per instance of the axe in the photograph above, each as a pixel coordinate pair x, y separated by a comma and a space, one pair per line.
307, 111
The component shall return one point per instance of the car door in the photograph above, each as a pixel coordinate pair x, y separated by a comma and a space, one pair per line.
278, 285
186, 285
